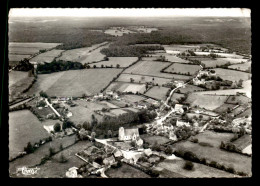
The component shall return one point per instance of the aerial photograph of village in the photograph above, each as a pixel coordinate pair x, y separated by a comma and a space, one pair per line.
129, 93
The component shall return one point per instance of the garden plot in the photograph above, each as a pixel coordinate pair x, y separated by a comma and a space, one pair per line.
84, 55
209, 102
175, 97
183, 69
127, 87
74, 82
152, 139
158, 93
243, 67
199, 170
190, 88
24, 127
114, 61
46, 57
150, 68
143, 79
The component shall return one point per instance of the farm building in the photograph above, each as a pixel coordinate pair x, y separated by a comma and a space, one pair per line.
128, 134
109, 161
196, 81
178, 108
179, 83
182, 123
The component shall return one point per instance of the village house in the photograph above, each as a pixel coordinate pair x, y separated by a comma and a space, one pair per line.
72, 172
128, 134
179, 83
109, 92
196, 81
109, 160
172, 136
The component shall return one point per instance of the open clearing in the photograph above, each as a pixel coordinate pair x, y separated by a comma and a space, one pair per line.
142, 79
151, 68
209, 102
122, 61
74, 82
126, 171
242, 67
229, 159
85, 54
199, 170
183, 69
127, 87
24, 127
29, 48
232, 75
46, 56
157, 92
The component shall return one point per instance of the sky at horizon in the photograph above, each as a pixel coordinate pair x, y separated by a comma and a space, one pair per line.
150, 12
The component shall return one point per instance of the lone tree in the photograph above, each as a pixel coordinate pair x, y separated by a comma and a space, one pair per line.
57, 127
188, 165
29, 148
43, 94
117, 66
109, 133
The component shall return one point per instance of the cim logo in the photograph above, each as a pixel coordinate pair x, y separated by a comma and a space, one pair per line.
28, 171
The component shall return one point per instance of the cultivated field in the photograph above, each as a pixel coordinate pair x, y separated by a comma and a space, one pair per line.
234, 60
157, 92
243, 67
237, 161
214, 62
151, 68
223, 108
224, 55
199, 170
16, 57
132, 98
180, 48
143, 79
122, 61
15, 76
238, 99
183, 69
209, 102
126, 171
84, 55
232, 75
47, 57
127, 87
24, 127
74, 82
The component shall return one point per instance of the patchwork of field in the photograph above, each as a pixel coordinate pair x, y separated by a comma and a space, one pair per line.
29, 48
224, 55
183, 68
24, 127
211, 153
157, 92
243, 67
15, 76
143, 79
46, 57
247, 112
209, 102
33, 159
126, 171
232, 75
235, 60
180, 48
199, 170
114, 61
152, 68
85, 54
74, 82
127, 87
190, 88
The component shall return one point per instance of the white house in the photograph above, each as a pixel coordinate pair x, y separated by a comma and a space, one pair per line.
128, 134
110, 92
182, 123
178, 108
179, 83
172, 136
196, 81
72, 172
69, 114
